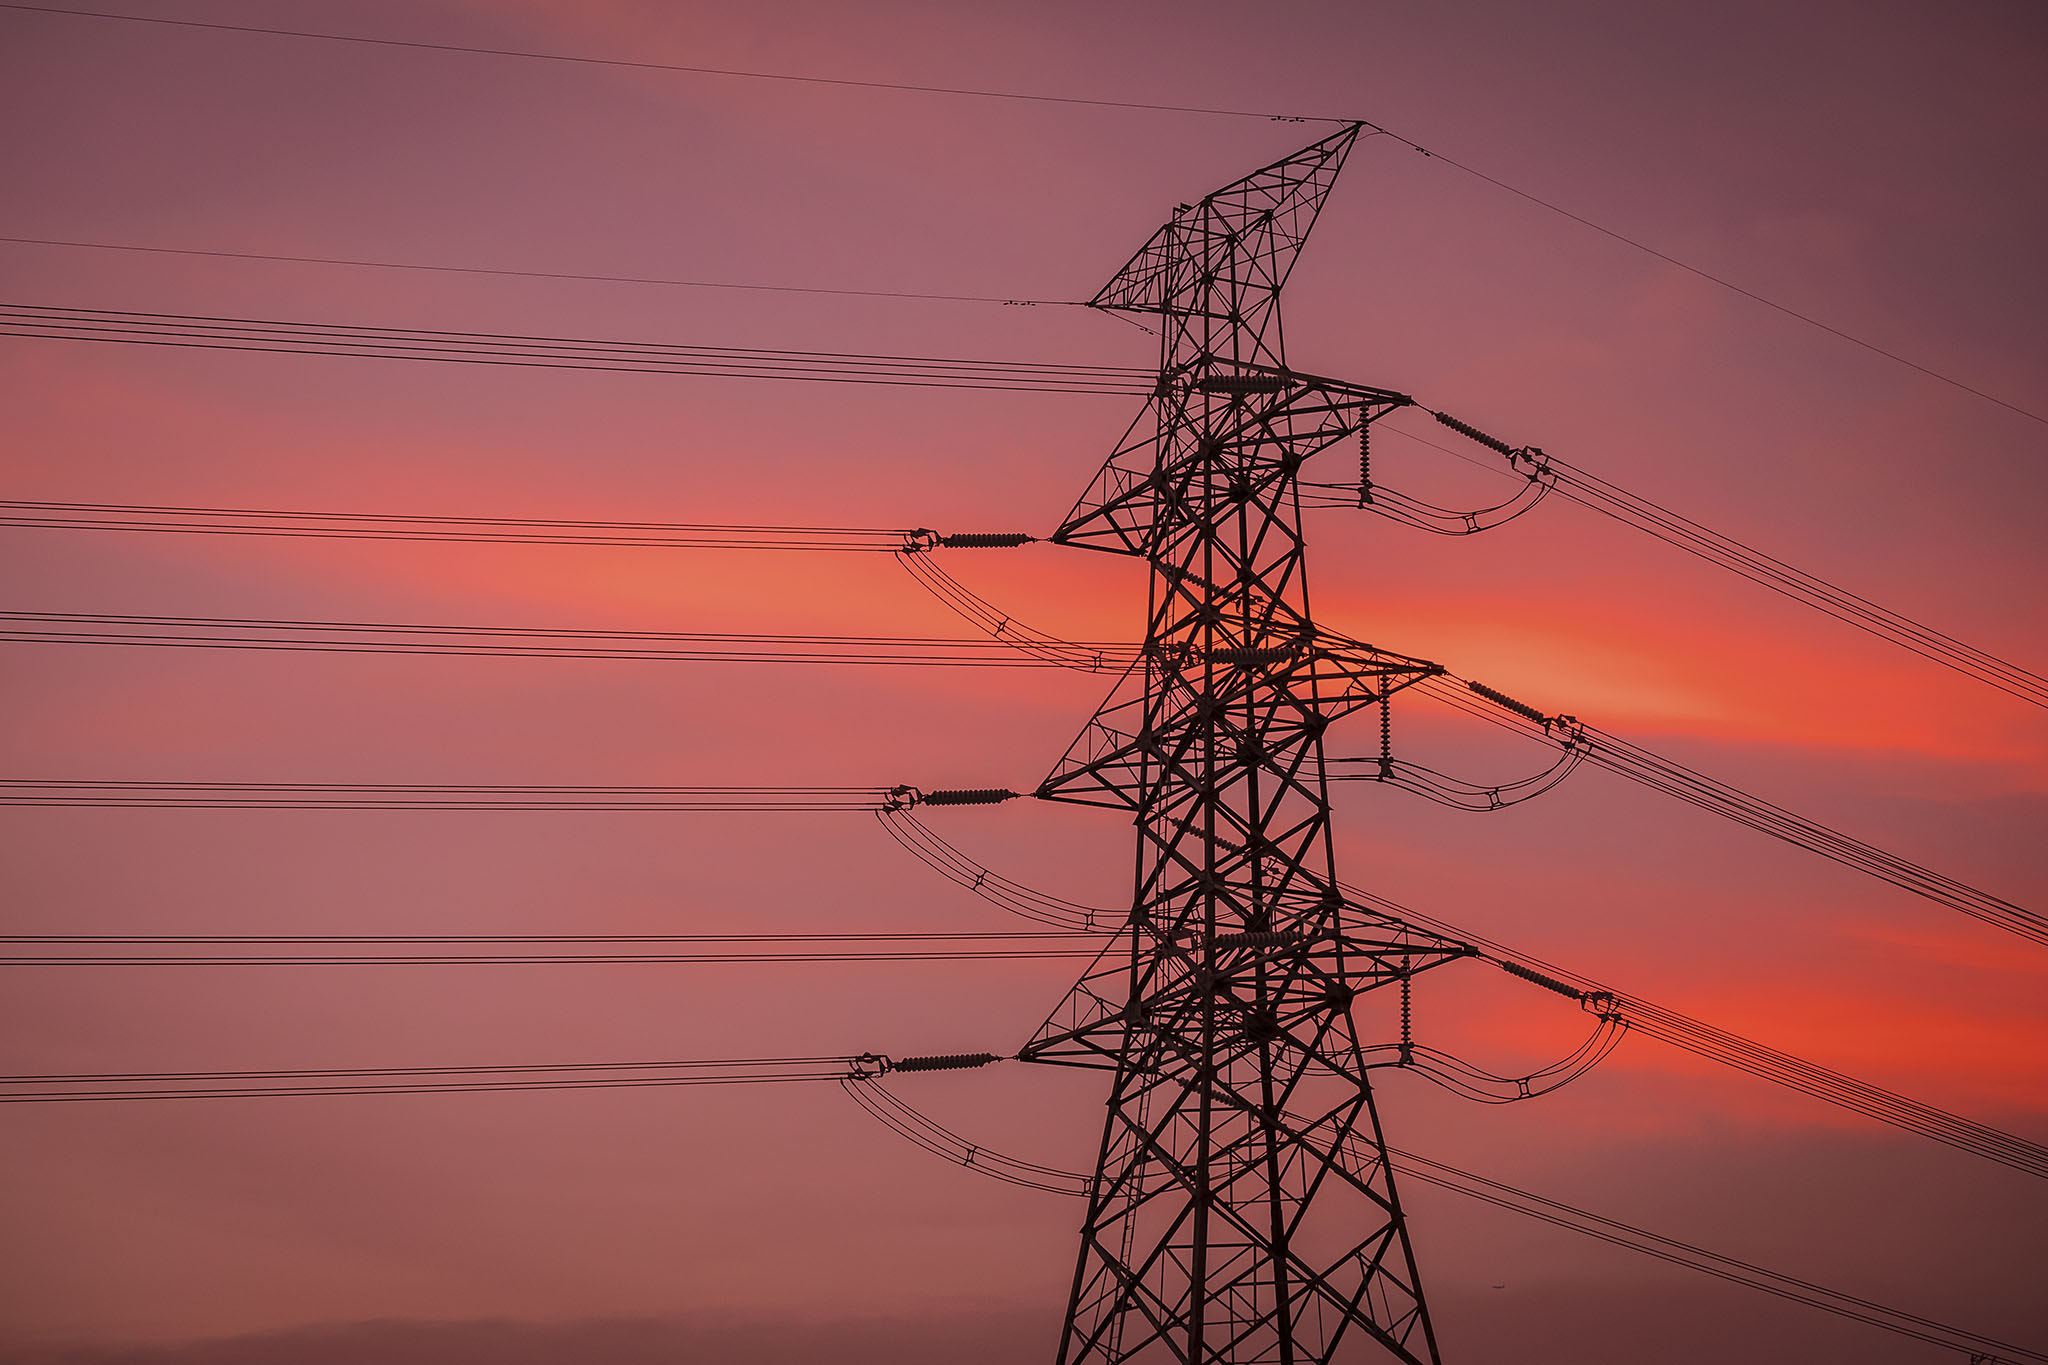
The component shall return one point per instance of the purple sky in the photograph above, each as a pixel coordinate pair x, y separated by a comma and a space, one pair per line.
1874, 165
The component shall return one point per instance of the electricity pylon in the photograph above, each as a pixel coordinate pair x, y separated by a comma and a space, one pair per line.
1243, 1208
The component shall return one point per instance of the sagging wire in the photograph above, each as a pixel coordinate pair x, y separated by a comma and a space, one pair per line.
1611, 500
388, 526
1695, 788
1469, 1082
1001, 626
1427, 516
301, 524
924, 1132
1679, 1030
1703, 1039
1732, 803
1456, 793
901, 824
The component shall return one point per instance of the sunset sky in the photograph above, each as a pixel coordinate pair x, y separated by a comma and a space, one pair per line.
1876, 166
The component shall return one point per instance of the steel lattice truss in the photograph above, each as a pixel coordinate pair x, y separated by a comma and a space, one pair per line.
1243, 1209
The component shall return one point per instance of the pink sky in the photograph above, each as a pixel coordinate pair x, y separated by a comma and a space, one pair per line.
1873, 165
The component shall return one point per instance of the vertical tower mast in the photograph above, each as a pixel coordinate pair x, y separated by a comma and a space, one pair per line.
1243, 1209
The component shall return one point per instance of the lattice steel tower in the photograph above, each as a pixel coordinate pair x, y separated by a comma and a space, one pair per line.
1243, 1209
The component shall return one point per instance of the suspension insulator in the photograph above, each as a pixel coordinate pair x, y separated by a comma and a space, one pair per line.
1365, 464
954, 1061
1407, 1019
1258, 938
970, 796
1241, 383
1476, 434
1502, 699
1255, 658
1548, 983
986, 540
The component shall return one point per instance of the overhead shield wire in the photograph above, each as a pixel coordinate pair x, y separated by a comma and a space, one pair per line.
1369, 128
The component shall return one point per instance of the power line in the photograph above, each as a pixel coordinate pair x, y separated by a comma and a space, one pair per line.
1641, 1015
179, 1085
432, 797
1711, 278
1732, 803
674, 67
1744, 1054
101, 940
248, 521
274, 337
1378, 129
543, 274
356, 637
923, 1131
1611, 500
1629, 760
787, 957
1735, 1271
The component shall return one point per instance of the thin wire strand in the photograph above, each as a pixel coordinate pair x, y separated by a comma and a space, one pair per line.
1597, 494
925, 1132
444, 346
527, 55
788, 958
1642, 1016
1711, 278
545, 274
384, 526
357, 637
1030, 97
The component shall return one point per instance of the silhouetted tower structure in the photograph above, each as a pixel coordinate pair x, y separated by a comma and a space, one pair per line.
1243, 1208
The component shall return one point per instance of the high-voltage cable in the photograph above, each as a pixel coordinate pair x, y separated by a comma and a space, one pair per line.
791, 77
917, 839
1710, 794
359, 637
1611, 500
179, 1085
1641, 1015
246, 521
506, 796
1031, 97
216, 940
571, 353
733, 956
425, 796
1731, 1049
923, 1131
1987, 1350
1579, 742
751, 287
